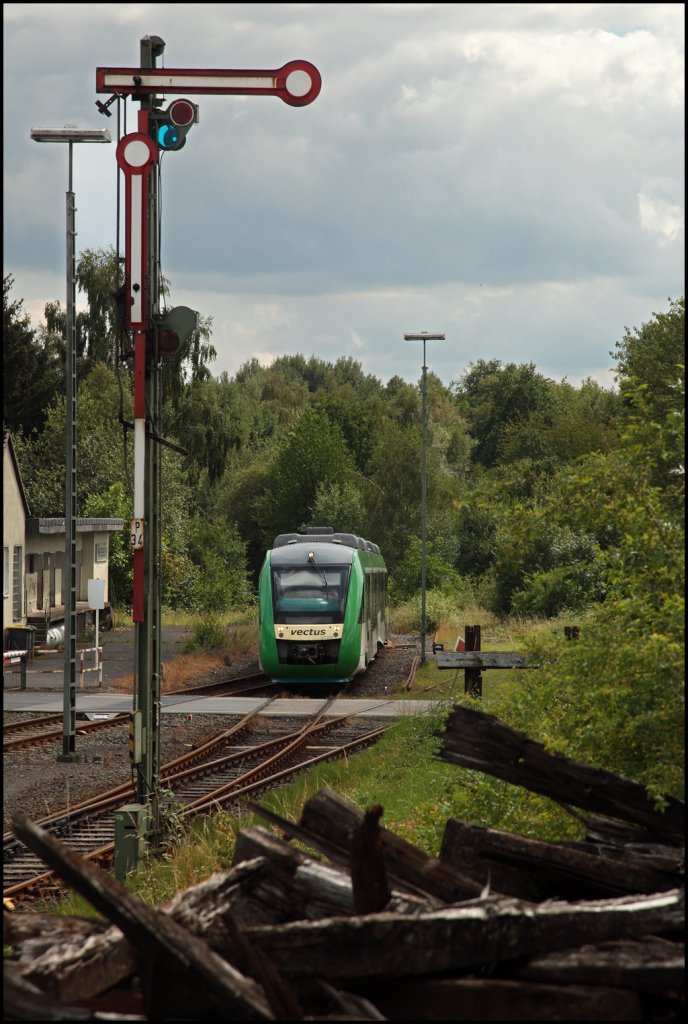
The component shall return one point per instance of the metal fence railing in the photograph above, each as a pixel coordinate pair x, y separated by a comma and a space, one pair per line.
12, 659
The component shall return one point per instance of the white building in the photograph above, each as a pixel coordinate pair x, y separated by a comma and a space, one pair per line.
33, 561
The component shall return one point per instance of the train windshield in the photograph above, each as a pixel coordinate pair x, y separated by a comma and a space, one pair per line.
308, 594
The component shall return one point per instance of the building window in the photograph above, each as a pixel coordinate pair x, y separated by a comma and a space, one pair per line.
6, 572
17, 583
101, 552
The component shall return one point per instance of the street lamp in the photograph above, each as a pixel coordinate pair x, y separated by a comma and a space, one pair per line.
70, 134
423, 336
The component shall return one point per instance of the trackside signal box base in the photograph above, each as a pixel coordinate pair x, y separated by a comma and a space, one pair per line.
132, 823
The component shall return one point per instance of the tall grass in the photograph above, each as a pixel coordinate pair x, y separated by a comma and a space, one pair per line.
232, 636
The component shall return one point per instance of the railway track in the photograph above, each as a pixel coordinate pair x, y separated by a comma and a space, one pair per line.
256, 754
15, 735
239, 686
48, 728
30, 724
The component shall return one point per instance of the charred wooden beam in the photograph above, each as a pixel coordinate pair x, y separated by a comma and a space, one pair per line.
480, 660
535, 870
72, 959
349, 1005
497, 999
206, 986
296, 887
23, 1001
327, 824
627, 837
483, 743
368, 874
651, 965
459, 938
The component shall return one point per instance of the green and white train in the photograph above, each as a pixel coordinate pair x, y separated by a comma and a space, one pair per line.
322, 606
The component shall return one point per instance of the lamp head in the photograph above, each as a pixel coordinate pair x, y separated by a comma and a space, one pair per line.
423, 336
70, 133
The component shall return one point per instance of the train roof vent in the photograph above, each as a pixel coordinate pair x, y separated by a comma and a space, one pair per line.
349, 539
319, 529
285, 538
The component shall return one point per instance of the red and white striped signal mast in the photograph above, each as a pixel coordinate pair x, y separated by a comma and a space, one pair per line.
297, 84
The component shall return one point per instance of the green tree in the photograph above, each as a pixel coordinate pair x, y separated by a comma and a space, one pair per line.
447, 429
103, 449
205, 421
314, 373
615, 698
439, 574
190, 365
222, 580
358, 418
238, 498
33, 371
338, 504
98, 277
541, 564
311, 454
403, 402
493, 397
284, 389
654, 356
580, 420
393, 494
473, 523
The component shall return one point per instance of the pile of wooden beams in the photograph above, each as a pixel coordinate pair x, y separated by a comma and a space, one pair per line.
365, 926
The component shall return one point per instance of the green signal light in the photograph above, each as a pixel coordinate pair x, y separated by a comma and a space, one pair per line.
168, 136
170, 126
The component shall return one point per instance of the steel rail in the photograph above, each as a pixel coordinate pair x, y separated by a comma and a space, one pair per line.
22, 742
29, 723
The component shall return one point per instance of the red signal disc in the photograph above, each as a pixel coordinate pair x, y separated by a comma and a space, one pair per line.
181, 113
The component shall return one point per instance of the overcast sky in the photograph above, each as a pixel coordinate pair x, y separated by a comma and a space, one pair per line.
510, 175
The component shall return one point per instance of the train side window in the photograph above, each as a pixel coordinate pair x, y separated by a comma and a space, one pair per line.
365, 601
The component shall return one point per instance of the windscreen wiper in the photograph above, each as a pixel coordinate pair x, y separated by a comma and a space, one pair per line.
321, 574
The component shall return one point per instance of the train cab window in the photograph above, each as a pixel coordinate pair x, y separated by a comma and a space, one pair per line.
309, 595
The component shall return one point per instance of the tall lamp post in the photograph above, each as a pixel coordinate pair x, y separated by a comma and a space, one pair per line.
423, 336
70, 134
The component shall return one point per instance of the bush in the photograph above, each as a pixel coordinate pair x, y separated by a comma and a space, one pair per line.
564, 587
208, 634
241, 638
440, 606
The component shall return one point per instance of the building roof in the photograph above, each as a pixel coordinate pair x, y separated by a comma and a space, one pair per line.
8, 445
34, 525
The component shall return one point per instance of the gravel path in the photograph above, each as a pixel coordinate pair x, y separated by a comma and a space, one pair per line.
38, 785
